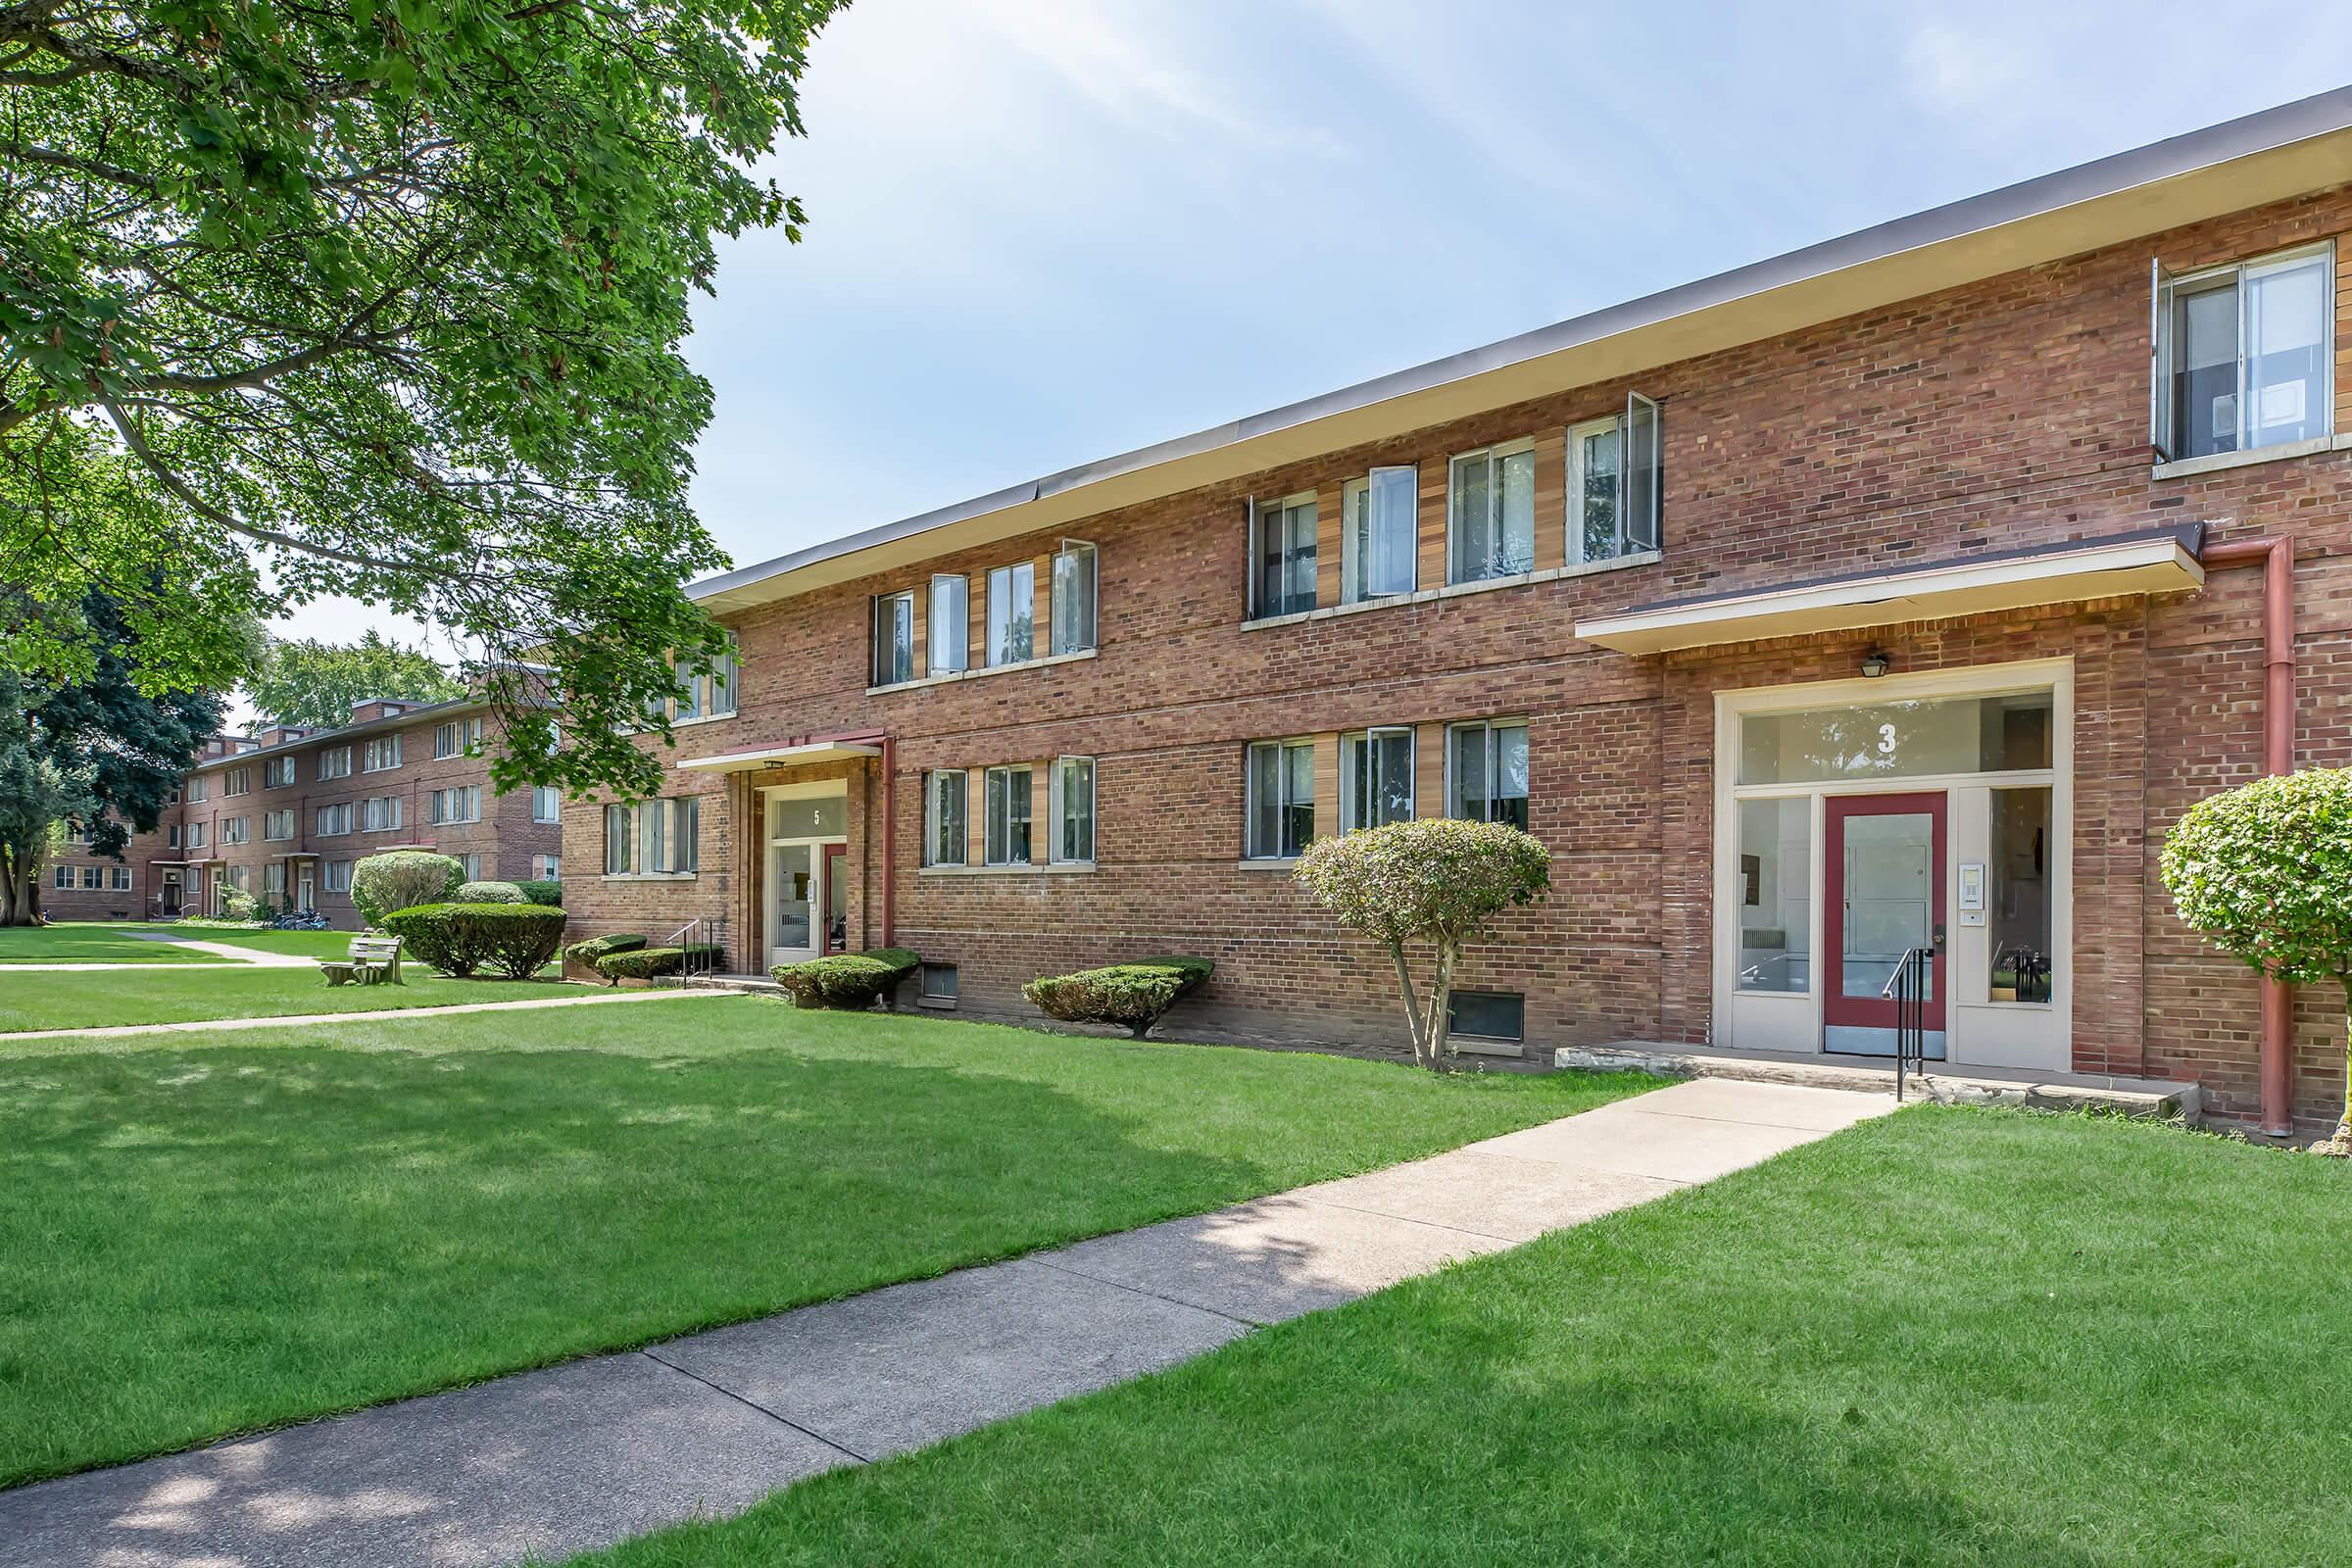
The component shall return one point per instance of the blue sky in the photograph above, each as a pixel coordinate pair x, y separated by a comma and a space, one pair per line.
1043, 232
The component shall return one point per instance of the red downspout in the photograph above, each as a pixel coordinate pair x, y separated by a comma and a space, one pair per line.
2276, 555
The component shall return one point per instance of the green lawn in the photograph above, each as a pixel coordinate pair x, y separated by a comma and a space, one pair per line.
1952, 1337
206, 1235
92, 942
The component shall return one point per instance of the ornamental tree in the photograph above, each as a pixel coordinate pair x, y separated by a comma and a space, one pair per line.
400, 879
319, 683
385, 299
1431, 881
2264, 873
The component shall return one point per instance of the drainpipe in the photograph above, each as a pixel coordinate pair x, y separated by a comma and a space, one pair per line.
2276, 555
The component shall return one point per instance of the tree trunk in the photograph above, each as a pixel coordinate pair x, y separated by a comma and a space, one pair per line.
1441, 1013
1423, 1054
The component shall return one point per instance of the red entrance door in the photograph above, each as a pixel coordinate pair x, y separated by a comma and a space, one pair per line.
834, 928
1883, 874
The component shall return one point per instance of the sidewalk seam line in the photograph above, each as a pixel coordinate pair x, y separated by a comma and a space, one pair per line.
1137, 1290
755, 1404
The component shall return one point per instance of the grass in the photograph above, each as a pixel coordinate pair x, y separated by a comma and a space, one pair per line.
91, 942
210, 1238
1952, 1337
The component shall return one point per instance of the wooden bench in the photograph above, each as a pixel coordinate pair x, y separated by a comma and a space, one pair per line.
374, 960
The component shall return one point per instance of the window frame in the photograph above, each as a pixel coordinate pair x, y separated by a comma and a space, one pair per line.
270, 817
373, 755
336, 812
117, 878
1025, 570
959, 647
60, 878
2163, 346
887, 675
935, 819
236, 830
1284, 804
334, 876
555, 800
1060, 602
1518, 1040
1283, 507
395, 808
1351, 808
1058, 810
271, 768
1493, 456
334, 761
995, 829
1352, 563
1491, 754
236, 781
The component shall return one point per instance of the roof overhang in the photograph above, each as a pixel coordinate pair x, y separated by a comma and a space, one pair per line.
2157, 562
763, 757
2267, 156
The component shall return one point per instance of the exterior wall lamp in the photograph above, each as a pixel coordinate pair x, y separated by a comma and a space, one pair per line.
1875, 664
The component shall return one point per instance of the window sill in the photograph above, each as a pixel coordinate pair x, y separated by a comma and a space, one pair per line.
1429, 596
1268, 863
954, 675
937, 1003
700, 719
649, 876
2218, 462
1025, 869
1482, 1045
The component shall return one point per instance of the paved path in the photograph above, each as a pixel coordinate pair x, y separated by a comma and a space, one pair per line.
254, 958
591, 999
583, 1454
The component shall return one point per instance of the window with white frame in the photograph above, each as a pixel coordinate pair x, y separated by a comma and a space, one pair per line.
240, 877
1616, 475
1282, 557
894, 638
457, 737
469, 867
237, 830
2244, 353
653, 838
1005, 839
62, 878
237, 781
334, 761
171, 837
200, 789
381, 813
336, 876
273, 879
93, 878
944, 806
120, 877
1486, 772
948, 639
278, 825
547, 804
461, 803
1012, 614
1074, 586
198, 835
546, 867
1280, 808
1071, 792
277, 772
1376, 779
1380, 540
381, 753
707, 693
1491, 524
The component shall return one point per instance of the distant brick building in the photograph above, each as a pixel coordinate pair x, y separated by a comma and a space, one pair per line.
285, 814
1844, 606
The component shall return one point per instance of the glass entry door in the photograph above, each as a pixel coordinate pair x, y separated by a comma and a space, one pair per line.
1885, 870
792, 873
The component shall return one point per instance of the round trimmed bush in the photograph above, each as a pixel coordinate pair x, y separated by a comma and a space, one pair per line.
586, 953
646, 963
1133, 996
458, 938
847, 982
402, 879
549, 893
489, 893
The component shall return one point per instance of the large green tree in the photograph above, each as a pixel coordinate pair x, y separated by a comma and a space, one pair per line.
95, 748
316, 683
380, 298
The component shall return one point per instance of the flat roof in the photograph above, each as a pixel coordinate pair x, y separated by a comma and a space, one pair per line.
2244, 163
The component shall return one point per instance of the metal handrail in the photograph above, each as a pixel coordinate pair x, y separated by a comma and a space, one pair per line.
1907, 989
708, 930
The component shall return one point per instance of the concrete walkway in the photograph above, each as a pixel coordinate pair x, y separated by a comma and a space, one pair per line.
583, 1454
199, 1025
252, 958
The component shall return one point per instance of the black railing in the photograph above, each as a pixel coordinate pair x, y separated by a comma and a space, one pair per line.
1907, 989
704, 943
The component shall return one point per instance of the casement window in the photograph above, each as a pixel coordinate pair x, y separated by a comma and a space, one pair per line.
547, 804
1500, 1016
200, 789
337, 876
237, 781
1071, 789
173, 799
469, 867
948, 636
2243, 354
277, 772
1074, 585
1012, 614
334, 761
939, 986
273, 879
120, 877
1491, 522
171, 837
93, 878
710, 693
240, 877
1282, 557
1380, 543
62, 878
653, 838
198, 835
459, 803
333, 822
1004, 841
1486, 773
1376, 779
1616, 475
894, 638
381, 753
380, 814
456, 737
1280, 808
944, 805
546, 867
237, 830
278, 825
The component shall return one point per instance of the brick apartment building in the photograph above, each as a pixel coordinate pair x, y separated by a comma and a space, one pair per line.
1896, 592
285, 814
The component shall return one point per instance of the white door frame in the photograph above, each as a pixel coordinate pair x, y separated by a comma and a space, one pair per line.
1978, 1030
773, 796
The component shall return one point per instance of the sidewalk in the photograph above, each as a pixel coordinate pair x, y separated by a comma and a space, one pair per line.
583, 1455
251, 957
214, 1025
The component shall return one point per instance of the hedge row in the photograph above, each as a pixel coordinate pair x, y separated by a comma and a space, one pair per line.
847, 981
645, 964
1133, 996
586, 953
514, 939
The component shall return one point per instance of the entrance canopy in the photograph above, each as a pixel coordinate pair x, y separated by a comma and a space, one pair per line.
770, 757
2154, 562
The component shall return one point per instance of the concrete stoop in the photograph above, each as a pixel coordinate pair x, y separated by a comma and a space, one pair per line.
755, 985
2150, 1098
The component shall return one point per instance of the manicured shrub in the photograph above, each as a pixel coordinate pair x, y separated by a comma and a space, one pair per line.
549, 893
586, 953
241, 906
1433, 880
646, 963
488, 893
402, 879
1132, 995
514, 939
847, 981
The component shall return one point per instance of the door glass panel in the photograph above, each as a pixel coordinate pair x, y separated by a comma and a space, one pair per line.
2020, 895
793, 867
1897, 740
1890, 897
837, 902
1776, 894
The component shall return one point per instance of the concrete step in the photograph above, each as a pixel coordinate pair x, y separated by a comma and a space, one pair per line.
758, 985
2150, 1098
